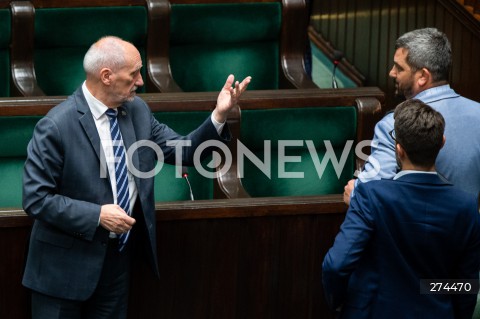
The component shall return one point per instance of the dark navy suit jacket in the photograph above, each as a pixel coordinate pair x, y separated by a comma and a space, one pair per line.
395, 233
63, 191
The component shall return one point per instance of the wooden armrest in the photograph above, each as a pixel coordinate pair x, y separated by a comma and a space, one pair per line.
229, 182
23, 71
160, 77
369, 112
293, 45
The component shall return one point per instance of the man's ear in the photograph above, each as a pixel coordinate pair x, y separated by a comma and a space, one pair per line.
400, 150
424, 78
444, 140
106, 76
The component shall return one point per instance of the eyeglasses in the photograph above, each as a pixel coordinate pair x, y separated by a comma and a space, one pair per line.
392, 135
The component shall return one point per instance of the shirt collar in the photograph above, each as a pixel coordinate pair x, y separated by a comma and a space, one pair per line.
437, 92
96, 107
406, 172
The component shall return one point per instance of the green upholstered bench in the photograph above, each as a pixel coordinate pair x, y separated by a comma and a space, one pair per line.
60, 35
186, 45
292, 170
15, 133
5, 27
18, 117
63, 36
302, 142
273, 115
208, 40
168, 185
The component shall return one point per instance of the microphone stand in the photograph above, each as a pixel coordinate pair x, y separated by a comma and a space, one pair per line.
337, 57
334, 80
185, 176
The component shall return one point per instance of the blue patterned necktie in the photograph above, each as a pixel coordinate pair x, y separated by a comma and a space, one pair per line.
121, 176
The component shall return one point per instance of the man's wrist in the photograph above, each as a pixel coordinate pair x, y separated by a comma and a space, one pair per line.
218, 118
218, 126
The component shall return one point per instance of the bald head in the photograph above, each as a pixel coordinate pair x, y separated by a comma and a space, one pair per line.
112, 66
108, 52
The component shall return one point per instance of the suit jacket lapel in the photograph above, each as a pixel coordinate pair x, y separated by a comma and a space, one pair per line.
129, 138
87, 122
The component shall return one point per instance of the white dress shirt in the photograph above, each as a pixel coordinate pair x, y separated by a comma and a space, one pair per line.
102, 123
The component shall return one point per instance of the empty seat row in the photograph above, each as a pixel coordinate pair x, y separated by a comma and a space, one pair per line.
186, 45
278, 136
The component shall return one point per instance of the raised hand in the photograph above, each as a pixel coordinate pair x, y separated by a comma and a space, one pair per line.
229, 97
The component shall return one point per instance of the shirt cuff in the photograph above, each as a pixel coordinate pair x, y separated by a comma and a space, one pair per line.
218, 126
355, 183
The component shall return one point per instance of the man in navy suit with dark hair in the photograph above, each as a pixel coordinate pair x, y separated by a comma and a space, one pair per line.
87, 226
397, 234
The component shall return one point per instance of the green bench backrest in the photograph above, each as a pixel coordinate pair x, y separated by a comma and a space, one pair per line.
63, 36
210, 41
5, 31
316, 124
15, 133
167, 186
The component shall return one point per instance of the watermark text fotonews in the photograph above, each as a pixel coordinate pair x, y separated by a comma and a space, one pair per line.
242, 153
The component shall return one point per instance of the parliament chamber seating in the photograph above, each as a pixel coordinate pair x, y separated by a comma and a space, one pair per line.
307, 132
170, 185
51, 38
185, 45
254, 257
207, 40
19, 116
15, 133
5, 32
221, 256
338, 116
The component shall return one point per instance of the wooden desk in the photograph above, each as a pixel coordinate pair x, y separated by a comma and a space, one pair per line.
235, 258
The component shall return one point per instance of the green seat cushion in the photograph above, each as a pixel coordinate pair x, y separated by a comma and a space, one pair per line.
5, 31
210, 41
169, 187
330, 131
63, 36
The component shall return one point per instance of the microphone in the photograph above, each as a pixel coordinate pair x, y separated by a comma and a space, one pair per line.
337, 57
185, 176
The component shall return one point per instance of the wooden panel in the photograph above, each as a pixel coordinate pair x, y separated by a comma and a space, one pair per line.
204, 101
4, 4
85, 3
256, 260
243, 258
14, 234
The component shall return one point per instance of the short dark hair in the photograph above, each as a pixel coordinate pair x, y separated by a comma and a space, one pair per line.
419, 130
427, 48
